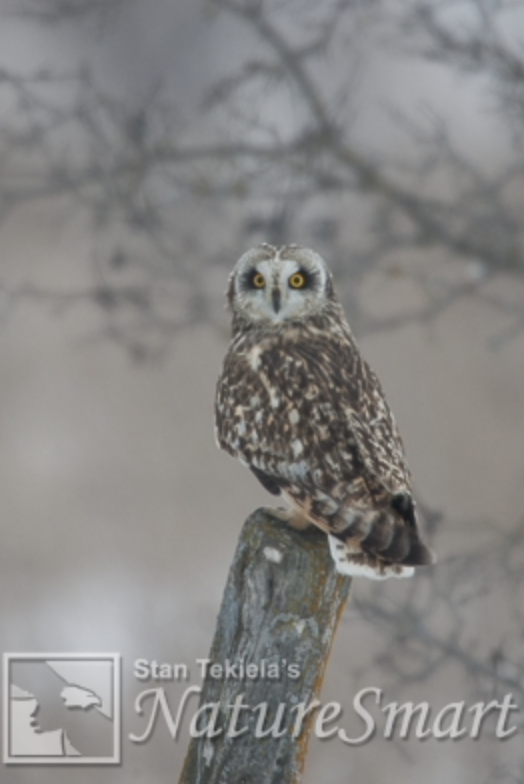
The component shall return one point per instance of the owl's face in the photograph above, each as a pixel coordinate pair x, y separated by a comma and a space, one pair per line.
273, 285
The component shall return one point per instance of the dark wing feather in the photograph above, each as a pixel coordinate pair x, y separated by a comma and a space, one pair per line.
267, 482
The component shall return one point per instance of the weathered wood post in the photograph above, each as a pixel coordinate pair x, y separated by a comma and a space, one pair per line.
282, 603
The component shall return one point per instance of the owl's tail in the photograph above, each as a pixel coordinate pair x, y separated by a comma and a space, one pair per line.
353, 562
381, 540
377, 543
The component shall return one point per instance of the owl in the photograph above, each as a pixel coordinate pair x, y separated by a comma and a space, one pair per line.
299, 406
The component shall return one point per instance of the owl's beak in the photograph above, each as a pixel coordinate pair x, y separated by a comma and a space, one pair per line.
275, 299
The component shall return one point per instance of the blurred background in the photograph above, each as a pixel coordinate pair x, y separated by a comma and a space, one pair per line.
143, 147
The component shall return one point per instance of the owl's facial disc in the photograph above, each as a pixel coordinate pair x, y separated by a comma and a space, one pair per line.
280, 288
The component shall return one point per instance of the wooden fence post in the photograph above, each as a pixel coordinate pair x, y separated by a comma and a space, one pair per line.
282, 603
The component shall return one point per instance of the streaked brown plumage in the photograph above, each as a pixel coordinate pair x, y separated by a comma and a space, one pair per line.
297, 403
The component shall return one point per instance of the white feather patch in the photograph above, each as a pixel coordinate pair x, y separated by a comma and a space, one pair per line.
297, 447
254, 357
345, 565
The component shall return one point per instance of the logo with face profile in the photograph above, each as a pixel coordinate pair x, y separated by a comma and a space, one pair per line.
61, 708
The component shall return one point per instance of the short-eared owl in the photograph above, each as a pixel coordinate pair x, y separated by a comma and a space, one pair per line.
298, 405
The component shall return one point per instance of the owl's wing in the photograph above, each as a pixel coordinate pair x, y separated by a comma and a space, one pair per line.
361, 465
358, 408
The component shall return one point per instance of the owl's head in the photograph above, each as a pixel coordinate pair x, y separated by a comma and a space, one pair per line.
272, 285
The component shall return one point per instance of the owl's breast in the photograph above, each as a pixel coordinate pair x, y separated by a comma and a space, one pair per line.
275, 412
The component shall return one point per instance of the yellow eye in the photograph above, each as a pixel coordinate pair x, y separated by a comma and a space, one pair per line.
297, 281
259, 281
